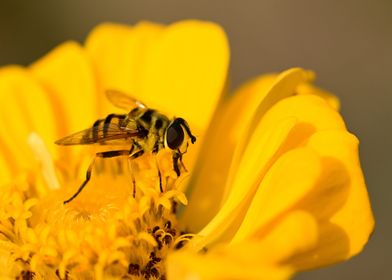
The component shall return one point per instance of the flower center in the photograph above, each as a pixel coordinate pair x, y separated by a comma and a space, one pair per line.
122, 225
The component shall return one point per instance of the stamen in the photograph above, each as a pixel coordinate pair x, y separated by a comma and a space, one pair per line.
42, 155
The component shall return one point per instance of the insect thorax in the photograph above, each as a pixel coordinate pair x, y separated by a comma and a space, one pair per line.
153, 124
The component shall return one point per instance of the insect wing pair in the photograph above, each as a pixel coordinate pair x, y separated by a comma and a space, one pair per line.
109, 131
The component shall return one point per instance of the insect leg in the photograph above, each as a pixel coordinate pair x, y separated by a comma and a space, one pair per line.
130, 158
137, 154
159, 175
88, 176
108, 154
176, 157
182, 164
155, 150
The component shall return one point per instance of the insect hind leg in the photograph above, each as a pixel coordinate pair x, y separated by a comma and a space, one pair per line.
88, 176
108, 154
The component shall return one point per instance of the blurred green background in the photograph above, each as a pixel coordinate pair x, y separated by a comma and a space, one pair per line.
347, 43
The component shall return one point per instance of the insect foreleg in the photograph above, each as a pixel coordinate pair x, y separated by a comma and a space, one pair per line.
182, 164
176, 157
108, 154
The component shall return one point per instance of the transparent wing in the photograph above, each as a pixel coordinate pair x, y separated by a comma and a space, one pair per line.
122, 100
103, 135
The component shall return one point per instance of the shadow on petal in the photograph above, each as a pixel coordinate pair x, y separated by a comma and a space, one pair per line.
333, 246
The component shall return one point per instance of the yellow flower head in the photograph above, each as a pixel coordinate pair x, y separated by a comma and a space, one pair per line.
272, 186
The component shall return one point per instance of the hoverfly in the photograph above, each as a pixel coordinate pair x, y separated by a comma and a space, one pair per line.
144, 130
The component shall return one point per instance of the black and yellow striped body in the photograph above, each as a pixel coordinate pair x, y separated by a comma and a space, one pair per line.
146, 126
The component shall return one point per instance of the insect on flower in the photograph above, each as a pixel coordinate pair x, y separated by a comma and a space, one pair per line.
145, 130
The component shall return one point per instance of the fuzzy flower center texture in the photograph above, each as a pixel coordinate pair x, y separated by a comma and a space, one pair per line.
108, 229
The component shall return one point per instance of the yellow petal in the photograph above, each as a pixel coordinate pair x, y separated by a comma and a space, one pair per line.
185, 71
67, 75
294, 233
216, 155
331, 99
185, 265
308, 109
25, 108
259, 155
347, 221
232, 122
311, 113
290, 179
284, 86
118, 53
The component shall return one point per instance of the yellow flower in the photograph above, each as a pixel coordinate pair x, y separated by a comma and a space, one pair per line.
275, 185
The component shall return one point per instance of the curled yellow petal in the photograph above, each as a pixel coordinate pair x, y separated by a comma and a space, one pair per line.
308, 109
307, 88
343, 232
258, 157
284, 86
230, 131
290, 179
253, 258
294, 233
230, 119
185, 265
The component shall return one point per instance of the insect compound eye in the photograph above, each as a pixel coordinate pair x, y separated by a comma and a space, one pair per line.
174, 135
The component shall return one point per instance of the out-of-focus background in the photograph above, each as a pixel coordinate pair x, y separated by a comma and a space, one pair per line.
348, 43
